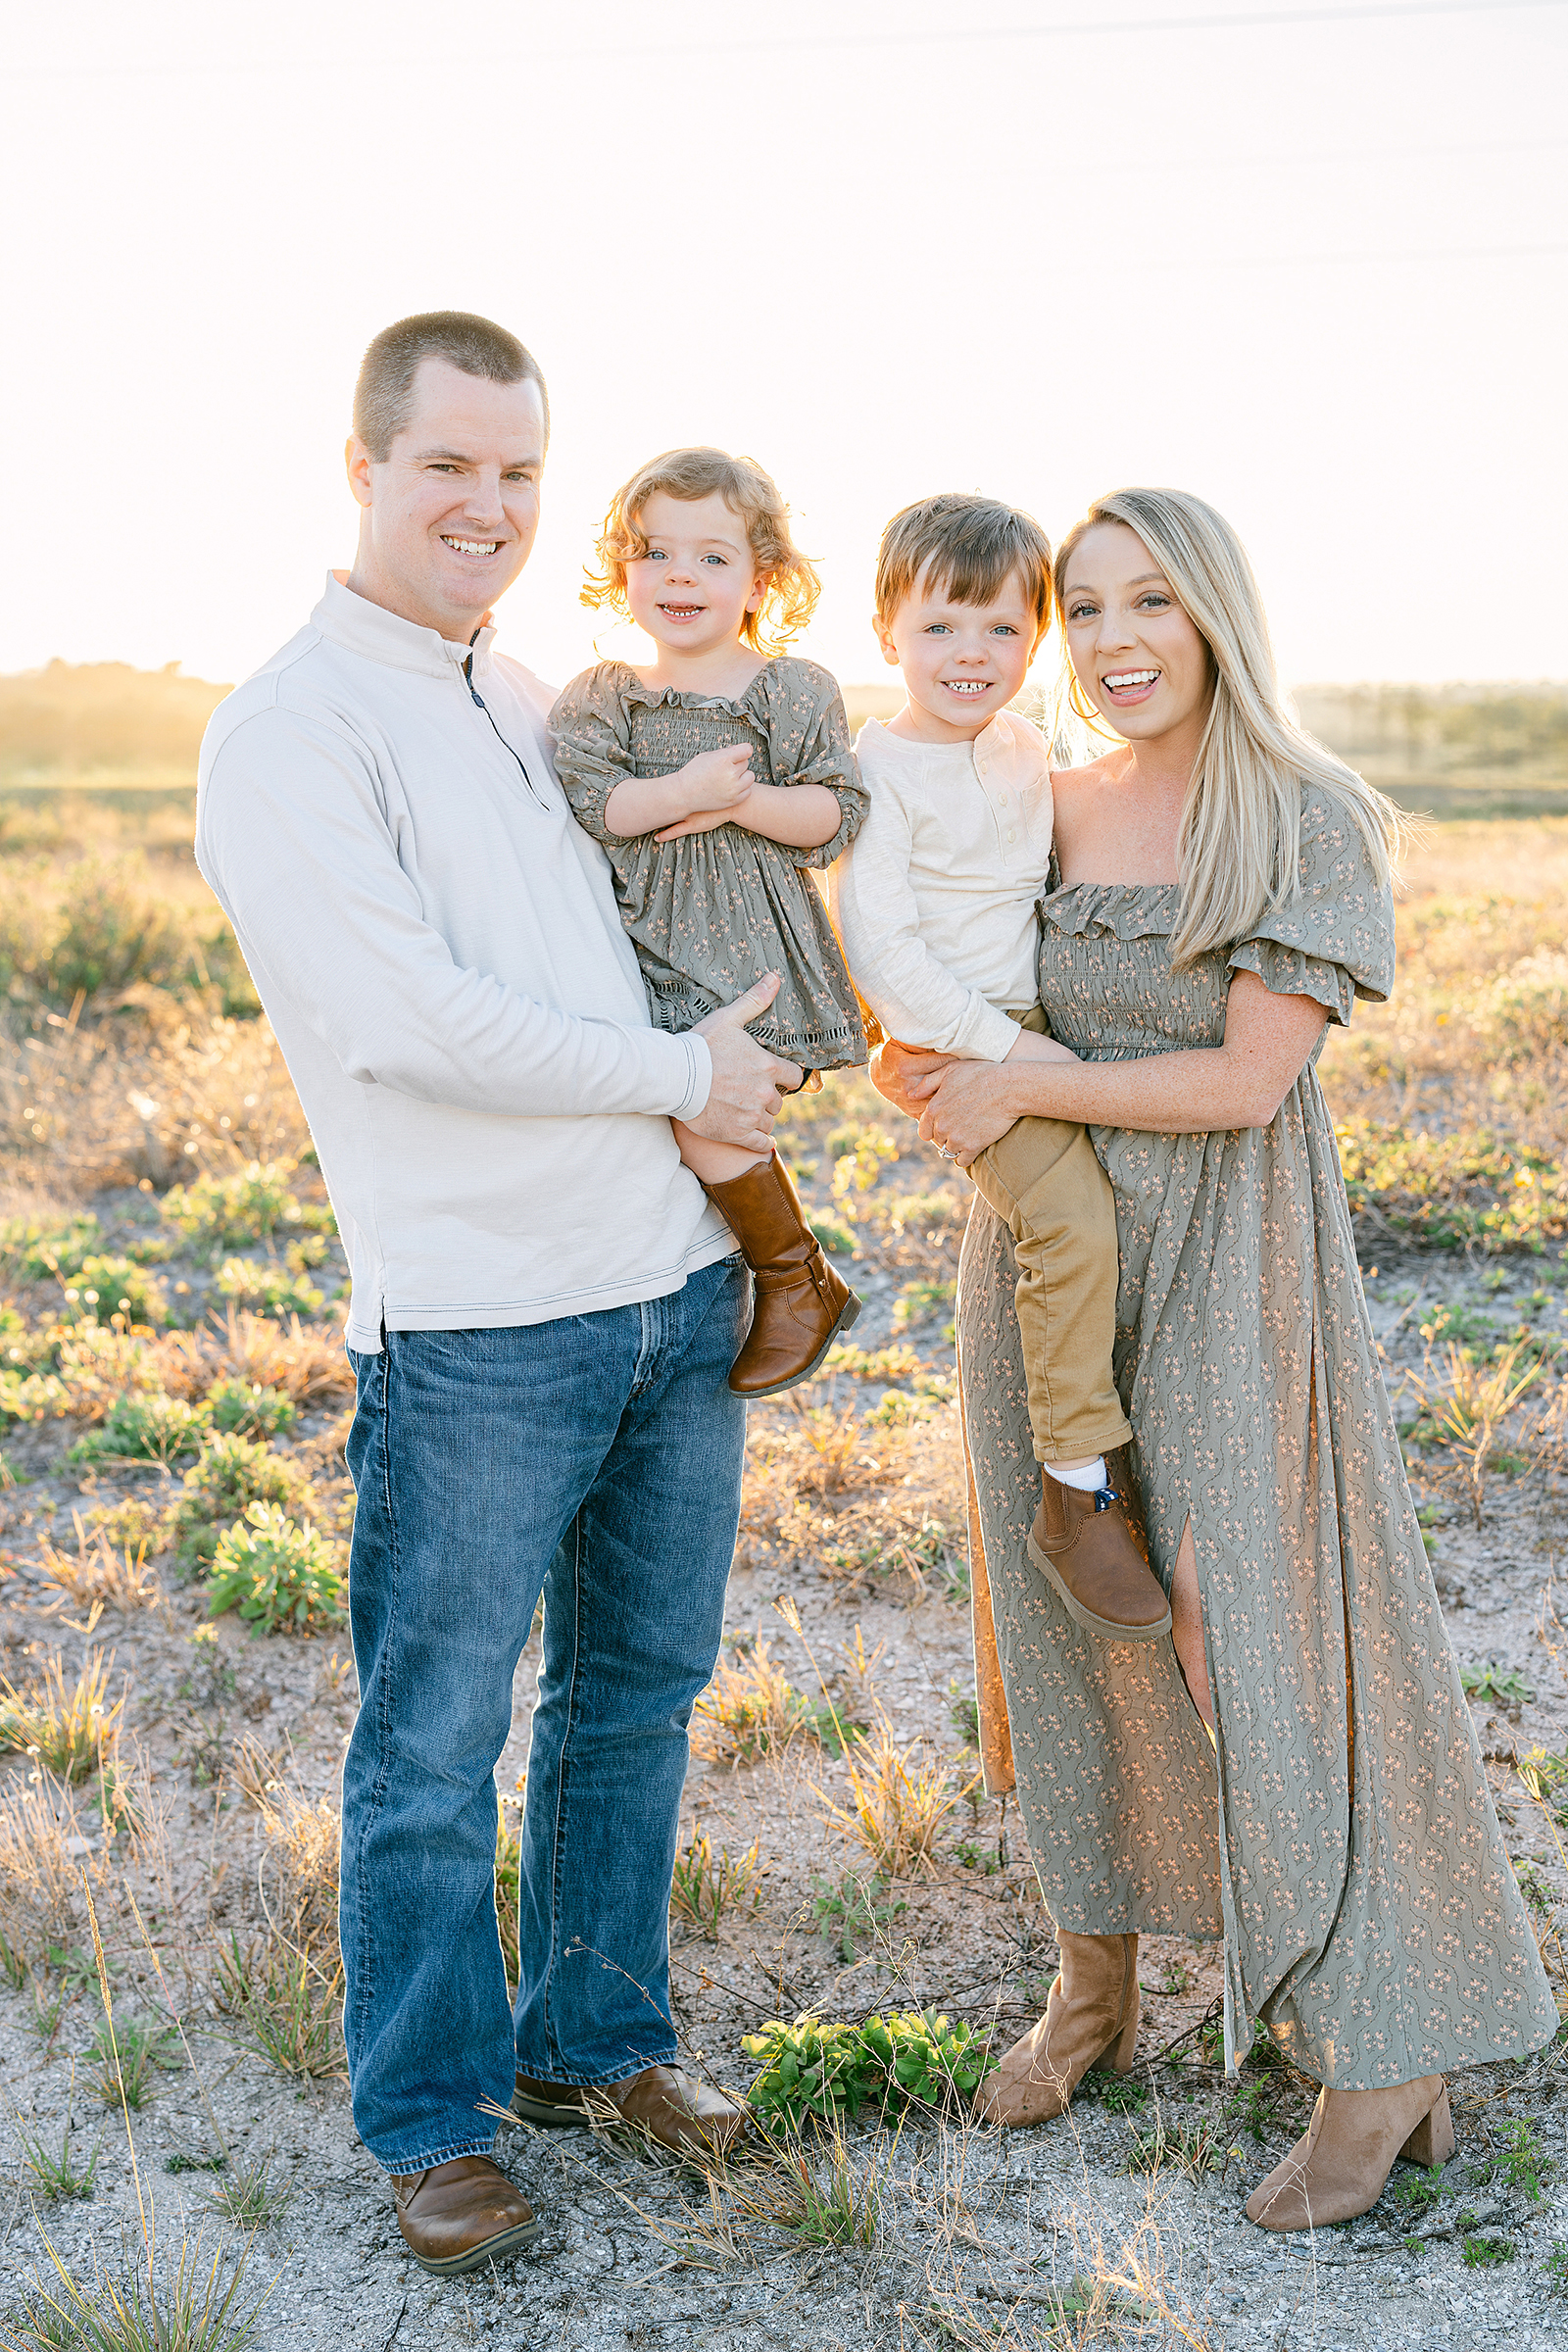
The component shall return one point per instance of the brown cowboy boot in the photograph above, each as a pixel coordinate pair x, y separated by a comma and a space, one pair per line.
1090, 2019
662, 2100
458, 2214
1338, 2167
1087, 1546
801, 1304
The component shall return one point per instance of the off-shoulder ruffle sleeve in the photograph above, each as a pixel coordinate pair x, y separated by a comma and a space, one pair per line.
810, 735
1334, 941
590, 737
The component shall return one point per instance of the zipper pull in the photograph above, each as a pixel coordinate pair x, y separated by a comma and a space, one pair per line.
467, 678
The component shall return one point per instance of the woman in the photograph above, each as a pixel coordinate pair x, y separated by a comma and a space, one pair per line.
1225, 892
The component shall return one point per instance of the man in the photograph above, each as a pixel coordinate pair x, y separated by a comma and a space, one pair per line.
544, 1307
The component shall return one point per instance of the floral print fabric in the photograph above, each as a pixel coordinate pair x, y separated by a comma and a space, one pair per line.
709, 915
1346, 1850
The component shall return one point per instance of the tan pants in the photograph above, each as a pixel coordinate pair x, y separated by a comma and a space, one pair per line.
1043, 1180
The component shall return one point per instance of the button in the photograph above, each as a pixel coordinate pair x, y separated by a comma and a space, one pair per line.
1011, 833
1001, 800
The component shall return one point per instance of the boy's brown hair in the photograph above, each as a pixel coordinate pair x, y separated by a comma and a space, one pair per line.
968, 545
792, 584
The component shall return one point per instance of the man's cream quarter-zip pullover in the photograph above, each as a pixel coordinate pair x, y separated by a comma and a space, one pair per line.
436, 945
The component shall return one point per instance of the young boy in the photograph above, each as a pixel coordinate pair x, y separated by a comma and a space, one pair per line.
934, 905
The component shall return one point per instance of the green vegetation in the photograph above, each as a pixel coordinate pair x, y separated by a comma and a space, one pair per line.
850, 1913
1489, 1680
281, 1576
1472, 1190
231, 1473
809, 2070
144, 1429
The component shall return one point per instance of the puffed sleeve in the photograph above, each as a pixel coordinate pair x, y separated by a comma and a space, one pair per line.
1334, 941
811, 742
589, 737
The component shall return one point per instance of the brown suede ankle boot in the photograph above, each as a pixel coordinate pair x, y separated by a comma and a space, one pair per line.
1090, 2019
801, 1304
1085, 1545
1337, 2167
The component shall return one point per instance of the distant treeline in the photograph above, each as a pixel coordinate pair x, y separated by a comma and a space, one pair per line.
93, 715
104, 716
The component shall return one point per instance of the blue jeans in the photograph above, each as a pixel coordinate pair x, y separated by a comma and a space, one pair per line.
597, 1458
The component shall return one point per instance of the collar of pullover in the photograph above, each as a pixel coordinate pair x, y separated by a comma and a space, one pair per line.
360, 627
1010, 751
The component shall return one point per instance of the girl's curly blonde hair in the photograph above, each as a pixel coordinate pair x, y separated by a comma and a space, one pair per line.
792, 586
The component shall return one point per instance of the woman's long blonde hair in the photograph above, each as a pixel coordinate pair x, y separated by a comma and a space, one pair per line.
1240, 836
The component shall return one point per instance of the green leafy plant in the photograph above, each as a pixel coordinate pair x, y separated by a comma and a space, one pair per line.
1489, 1680
918, 1302
215, 1214
267, 1288
102, 1286
1454, 1192
144, 1429
1480, 2253
34, 1250
810, 2070
229, 1474
281, 1576
244, 1408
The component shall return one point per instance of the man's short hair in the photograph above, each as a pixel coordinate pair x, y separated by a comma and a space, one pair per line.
969, 546
383, 397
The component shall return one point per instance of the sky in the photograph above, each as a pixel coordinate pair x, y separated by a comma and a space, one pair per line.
1307, 261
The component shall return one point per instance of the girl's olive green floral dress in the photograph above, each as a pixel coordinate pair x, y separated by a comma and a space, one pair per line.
1348, 1854
711, 913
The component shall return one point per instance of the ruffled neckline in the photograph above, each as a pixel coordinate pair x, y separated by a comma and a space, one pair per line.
1125, 909
631, 689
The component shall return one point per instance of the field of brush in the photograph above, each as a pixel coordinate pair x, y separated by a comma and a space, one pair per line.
854, 1921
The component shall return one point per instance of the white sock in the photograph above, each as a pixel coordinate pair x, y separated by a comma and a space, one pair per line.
1087, 1481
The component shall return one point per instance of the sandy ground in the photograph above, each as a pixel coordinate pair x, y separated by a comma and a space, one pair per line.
1061, 2236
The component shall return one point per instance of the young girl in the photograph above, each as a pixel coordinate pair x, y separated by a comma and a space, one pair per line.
714, 778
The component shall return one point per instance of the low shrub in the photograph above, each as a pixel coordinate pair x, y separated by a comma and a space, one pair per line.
1454, 1191
810, 2070
283, 1577
144, 1429
268, 1290
244, 1408
218, 1213
34, 1250
104, 1287
230, 1473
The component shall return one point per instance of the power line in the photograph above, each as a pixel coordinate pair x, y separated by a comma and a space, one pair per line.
1082, 29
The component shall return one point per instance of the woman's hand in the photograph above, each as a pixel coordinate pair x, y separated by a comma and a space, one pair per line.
968, 1106
903, 1075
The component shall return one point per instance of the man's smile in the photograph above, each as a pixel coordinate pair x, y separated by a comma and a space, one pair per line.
469, 547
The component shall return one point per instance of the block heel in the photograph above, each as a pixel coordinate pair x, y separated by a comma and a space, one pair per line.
1433, 2142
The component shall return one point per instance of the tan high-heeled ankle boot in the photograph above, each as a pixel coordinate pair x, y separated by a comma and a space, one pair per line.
1338, 2165
1090, 2019
802, 1302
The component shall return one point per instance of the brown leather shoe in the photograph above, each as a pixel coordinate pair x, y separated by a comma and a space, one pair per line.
459, 2215
802, 1303
662, 2100
1091, 2020
1087, 1548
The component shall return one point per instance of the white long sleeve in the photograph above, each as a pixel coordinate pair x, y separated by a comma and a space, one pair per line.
935, 898
436, 945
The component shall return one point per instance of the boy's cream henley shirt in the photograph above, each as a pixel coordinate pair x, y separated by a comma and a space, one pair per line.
436, 945
934, 900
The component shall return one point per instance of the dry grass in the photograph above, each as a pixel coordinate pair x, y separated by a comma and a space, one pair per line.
751, 1710
69, 1728
101, 1574
302, 1360
899, 1797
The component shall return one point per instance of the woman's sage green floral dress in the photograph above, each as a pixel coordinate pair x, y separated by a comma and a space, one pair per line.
1346, 1850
